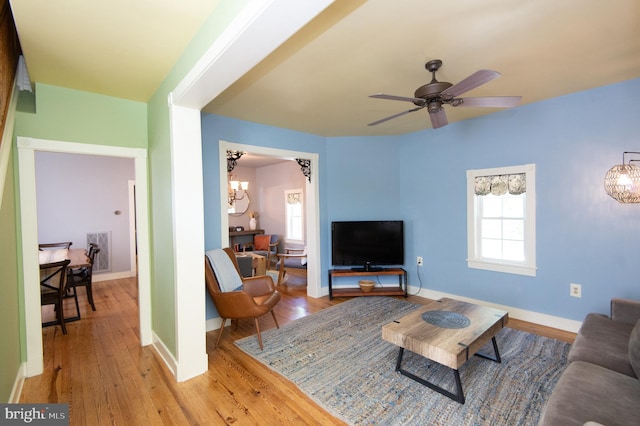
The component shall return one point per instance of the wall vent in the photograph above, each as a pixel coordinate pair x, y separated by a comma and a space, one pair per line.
102, 261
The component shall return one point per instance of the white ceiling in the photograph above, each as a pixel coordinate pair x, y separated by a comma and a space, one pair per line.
319, 81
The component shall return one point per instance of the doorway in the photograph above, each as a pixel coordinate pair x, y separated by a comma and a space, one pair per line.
27, 175
312, 219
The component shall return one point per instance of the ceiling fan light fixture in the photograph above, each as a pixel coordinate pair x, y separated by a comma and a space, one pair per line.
434, 106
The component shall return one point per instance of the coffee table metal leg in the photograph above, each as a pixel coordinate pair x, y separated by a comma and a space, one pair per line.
495, 358
458, 397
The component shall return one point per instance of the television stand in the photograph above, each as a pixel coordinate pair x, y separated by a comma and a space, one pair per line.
400, 290
369, 269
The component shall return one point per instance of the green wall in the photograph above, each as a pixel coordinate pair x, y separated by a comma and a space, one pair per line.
65, 115
163, 269
11, 348
75, 116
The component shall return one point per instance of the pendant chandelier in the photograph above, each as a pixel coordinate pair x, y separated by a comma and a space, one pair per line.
622, 181
236, 190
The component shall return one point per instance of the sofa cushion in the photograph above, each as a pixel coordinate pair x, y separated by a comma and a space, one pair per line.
587, 392
634, 349
604, 342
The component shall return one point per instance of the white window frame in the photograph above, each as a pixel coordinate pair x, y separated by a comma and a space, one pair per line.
474, 259
288, 238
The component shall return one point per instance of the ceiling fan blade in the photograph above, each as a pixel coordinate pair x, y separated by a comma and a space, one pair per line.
438, 119
491, 101
476, 79
394, 116
397, 98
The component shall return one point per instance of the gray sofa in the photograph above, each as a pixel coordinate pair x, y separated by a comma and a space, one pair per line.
601, 384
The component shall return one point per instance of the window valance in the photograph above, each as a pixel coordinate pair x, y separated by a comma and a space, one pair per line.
514, 184
294, 198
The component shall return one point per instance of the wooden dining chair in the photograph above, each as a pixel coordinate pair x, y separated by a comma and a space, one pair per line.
83, 277
52, 289
267, 246
294, 258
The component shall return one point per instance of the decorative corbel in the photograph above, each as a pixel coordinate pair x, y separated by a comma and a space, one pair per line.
232, 159
305, 167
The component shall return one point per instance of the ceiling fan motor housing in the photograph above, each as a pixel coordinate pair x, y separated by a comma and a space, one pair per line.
430, 91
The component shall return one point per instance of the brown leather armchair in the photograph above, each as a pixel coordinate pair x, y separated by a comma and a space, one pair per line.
257, 297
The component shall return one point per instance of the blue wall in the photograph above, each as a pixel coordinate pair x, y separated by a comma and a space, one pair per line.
583, 236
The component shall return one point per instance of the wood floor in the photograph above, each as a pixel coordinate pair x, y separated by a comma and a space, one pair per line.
100, 369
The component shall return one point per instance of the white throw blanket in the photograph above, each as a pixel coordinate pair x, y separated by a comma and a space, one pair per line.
226, 273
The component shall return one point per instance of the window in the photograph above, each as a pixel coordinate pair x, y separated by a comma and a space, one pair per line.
294, 208
501, 223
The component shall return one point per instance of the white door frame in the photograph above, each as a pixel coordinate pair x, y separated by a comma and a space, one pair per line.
27, 148
133, 253
312, 205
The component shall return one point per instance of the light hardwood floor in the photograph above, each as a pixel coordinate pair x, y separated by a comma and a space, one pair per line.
100, 369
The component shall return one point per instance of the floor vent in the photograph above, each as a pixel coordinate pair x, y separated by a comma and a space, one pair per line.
102, 261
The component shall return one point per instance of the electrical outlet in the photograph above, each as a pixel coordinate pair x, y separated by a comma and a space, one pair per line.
419, 260
575, 290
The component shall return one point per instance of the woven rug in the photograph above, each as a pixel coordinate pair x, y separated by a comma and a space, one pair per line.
338, 358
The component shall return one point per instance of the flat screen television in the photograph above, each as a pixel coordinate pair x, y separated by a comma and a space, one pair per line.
367, 245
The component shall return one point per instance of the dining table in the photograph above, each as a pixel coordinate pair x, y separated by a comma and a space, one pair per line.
78, 258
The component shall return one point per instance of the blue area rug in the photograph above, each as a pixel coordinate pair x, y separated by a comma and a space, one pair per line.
338, 358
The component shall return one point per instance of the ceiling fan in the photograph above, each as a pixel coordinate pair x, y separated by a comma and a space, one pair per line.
436, 94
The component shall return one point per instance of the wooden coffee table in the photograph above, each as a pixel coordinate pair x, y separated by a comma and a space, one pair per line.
258, 262
443, 343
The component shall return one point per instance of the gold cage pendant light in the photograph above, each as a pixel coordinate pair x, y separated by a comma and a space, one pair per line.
622, 181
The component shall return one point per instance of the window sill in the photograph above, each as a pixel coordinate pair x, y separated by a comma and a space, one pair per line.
502, 267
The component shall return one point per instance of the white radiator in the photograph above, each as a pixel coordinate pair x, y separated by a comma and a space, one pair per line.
102, 262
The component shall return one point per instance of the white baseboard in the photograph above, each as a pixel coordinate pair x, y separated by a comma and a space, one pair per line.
180, 372
213, 324
165, 354
113, 276
516, 313
16, 390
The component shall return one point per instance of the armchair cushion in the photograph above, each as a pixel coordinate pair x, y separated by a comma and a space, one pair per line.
259, 286
261, 242
225, 270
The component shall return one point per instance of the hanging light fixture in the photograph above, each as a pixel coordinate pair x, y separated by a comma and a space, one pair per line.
233, 186
622, 181
236, 190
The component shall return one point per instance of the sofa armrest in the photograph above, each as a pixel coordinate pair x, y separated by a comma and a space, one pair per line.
625, 310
